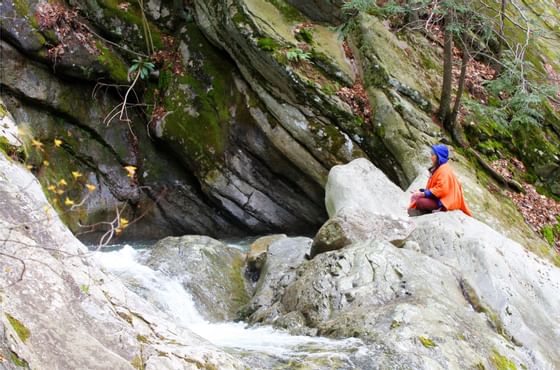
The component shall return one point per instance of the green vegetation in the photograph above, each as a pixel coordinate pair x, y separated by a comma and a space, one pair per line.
22, 332
18, 361
142, 338
138, 363
305, 35
267, 44
289, 13
297, 55
501, 362
427, 342
551, 233
114, 64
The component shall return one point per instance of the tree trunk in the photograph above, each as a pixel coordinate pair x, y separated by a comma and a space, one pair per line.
414, 15
446, 88
501, 37
453, 126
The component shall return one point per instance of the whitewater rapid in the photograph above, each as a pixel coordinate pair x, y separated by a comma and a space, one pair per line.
168, 294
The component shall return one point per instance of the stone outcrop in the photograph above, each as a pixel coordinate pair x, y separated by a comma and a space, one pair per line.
59, 310
362, 204
517, 291
457, 294
210, 270
243, 120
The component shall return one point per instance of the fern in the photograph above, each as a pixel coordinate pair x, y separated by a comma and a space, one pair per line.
297, 55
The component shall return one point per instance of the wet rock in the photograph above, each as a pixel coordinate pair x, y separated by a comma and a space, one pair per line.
404, 301
59, 310
209, 269
283, 257
258, 250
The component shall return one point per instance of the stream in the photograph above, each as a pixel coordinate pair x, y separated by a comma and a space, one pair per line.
262, 347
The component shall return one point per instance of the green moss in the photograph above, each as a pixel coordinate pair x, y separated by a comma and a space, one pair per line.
267, 44
289, 13
22, 8
118, 70
132, 16
395, 324
22, 332
138, 363
18, 361
142, 338
305, 35
240, 295
501, 362
548, 234
199, 104
427, 342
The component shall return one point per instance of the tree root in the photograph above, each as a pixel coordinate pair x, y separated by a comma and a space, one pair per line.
509, 183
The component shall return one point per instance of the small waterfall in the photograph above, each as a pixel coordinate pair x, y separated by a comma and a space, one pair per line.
261, 345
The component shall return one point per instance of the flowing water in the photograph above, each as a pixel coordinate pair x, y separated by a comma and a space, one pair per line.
259, 346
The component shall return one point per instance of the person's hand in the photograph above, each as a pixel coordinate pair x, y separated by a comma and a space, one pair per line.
417, 194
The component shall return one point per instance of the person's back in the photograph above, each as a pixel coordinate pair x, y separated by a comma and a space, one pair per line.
443, 191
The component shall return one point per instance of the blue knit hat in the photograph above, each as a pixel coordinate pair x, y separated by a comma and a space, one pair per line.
441, 152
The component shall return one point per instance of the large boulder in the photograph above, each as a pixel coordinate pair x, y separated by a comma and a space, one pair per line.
283, 258
258, 250
409, 306
60, 311
210, 270
363, 204
361, 185
518, 291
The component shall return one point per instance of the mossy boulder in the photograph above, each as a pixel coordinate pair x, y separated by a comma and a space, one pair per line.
228, 140
293, 92
75, 52
78, 149
210, 270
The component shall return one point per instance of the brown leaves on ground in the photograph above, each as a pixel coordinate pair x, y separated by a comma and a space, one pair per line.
538, 210
356, 97
477, 73
348, 51
169, 57
70, 31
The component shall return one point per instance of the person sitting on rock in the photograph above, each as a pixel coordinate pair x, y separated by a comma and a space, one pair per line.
443, 191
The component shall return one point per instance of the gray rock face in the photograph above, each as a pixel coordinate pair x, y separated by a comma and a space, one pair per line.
209, 269
55, 109
283, 257
363, 204
519, 291
351, 225
258, 251
60, 311
402, 301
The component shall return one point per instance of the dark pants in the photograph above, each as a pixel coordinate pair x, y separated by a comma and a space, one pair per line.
423, 206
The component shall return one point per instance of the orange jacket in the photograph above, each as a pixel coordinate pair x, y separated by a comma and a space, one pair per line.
444, 185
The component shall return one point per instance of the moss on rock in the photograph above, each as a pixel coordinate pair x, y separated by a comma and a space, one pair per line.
20, 329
